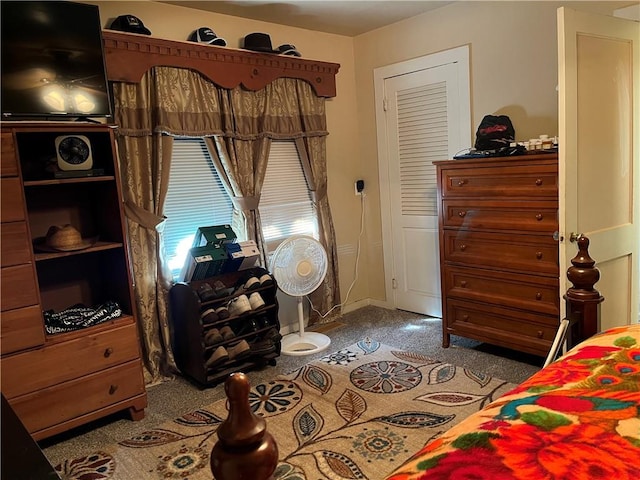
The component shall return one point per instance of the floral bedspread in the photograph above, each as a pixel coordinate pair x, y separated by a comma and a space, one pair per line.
578, 418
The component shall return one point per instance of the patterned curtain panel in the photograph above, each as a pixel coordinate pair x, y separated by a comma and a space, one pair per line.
239, 126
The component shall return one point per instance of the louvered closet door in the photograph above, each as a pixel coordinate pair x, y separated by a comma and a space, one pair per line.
419, 116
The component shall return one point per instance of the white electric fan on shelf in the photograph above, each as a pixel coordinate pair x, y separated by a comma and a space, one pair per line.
299, 265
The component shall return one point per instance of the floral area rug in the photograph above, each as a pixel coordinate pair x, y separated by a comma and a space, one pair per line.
354, 414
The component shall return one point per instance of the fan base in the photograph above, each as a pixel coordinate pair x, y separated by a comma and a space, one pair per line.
307, 343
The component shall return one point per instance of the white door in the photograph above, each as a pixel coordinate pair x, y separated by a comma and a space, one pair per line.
425, 116
599, 98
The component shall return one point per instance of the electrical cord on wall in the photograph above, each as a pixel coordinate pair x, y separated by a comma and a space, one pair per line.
355, 279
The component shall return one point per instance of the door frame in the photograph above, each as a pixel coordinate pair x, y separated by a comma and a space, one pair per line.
461, 57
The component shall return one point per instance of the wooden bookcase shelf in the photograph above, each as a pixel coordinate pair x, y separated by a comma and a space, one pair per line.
44, 374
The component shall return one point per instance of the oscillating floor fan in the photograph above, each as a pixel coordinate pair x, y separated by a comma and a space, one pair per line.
299, 265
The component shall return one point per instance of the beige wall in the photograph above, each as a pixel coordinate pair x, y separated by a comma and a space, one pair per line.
513, 67
513, 71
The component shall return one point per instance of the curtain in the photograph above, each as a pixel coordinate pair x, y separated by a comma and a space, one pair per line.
238, 126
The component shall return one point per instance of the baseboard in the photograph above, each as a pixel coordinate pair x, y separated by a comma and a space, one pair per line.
366, 302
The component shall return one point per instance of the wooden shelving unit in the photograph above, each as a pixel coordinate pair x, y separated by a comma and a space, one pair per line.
44, 375
189, 346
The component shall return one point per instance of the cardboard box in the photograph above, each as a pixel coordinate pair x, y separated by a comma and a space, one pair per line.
249, 253
214, 235
234, 257
204, 262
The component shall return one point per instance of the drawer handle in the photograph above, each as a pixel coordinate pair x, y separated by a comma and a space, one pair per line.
463, 283
108, 352
540, 334
461, 182
538, 181
465, 318
462, 213
538, 255
539, 217
538, 296
112, 389
463, 247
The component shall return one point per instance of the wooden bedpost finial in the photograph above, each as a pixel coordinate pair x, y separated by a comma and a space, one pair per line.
582, 274
582, 300
244, 448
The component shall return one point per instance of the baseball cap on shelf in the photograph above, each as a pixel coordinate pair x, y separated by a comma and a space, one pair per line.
208, 36
129, 23
288, 49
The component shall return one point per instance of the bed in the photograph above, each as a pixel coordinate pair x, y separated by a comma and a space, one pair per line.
577, 418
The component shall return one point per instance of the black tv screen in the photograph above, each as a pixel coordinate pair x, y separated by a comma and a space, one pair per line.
52, 61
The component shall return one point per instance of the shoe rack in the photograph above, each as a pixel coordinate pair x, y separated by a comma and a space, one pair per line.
218, 330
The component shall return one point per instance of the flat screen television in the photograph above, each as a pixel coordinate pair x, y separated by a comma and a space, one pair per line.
52, 61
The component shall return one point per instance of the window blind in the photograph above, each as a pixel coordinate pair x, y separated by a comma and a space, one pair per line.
195, 198
285, 202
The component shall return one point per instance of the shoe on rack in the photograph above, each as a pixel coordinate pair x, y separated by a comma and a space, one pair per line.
263, 322
273, 334
206, 292
245, 326
212, 337
263, 347
208, 316
265, 280
239, 306
219, 355
227, 333
248, 284
220, 290
222, 312
256, 301
239, 351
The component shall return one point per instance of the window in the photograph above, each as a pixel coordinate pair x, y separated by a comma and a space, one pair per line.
195, 198
285, 203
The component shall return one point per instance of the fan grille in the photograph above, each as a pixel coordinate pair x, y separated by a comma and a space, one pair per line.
299, 265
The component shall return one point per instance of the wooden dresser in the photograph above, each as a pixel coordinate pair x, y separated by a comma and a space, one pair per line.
499, 260
57, 381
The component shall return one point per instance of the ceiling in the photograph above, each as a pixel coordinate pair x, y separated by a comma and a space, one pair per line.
342, 17
349, 18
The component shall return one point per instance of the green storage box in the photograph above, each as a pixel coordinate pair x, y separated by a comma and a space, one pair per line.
214, 235
204, 262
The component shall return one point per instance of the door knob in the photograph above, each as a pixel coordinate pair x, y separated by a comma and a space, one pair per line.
574, 237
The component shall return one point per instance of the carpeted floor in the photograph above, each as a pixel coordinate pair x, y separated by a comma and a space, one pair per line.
355, 413
402, 330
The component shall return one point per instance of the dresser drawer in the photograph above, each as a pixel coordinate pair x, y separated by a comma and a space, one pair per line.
72, 399
8, 159
524, 253
539, 217
20, 329
19, 288
522, 331
12, 208
501, 181
526, 292
16, 247
30, 371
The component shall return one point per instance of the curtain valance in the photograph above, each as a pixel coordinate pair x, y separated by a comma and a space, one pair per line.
180, 102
